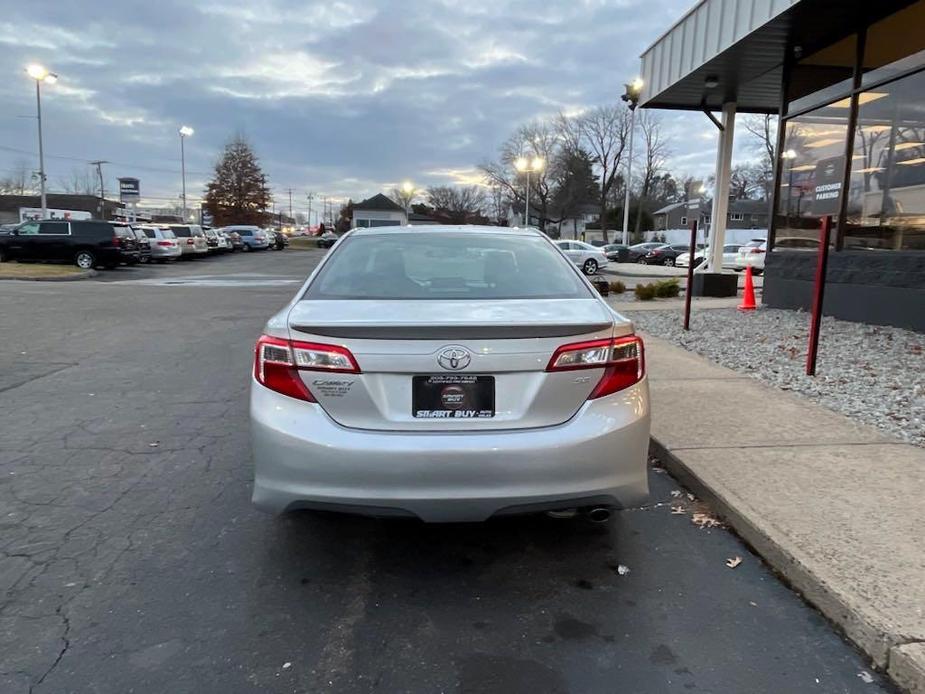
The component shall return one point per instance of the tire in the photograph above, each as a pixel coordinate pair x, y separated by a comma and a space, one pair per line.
246, 247
85, 260
641, 260
669, 262
589, 267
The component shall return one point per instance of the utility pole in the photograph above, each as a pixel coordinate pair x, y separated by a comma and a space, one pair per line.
324, 209
290, 205
310, 196
99, 170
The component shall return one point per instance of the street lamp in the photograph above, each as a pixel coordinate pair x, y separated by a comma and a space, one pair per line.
631, 97
408, 189
185, 131
528, 166
41, 74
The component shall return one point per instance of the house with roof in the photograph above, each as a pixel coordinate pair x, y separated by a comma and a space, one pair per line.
379, 211
741, 214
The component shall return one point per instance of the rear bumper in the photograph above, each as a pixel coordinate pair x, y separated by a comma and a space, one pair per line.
161, 252
303, 459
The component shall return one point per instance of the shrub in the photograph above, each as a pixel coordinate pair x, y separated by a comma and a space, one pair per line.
645, 292
666, 289
617, 287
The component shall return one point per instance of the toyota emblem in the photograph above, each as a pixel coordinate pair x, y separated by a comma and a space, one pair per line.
454, 358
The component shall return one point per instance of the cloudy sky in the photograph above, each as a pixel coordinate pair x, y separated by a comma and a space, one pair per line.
343, 98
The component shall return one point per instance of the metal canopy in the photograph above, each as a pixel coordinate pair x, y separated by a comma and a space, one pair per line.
741, 45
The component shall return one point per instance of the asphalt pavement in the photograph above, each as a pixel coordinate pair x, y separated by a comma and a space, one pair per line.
132, 560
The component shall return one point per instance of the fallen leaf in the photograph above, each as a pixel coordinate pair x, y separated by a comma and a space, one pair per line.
623, 570
733, 562
866, 677
153, 444
286, 666
678, 510
676, 493
690, 497
705, 520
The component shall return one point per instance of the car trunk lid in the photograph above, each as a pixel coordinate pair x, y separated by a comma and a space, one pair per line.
486, 359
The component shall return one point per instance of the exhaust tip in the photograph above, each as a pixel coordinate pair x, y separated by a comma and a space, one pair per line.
600, 514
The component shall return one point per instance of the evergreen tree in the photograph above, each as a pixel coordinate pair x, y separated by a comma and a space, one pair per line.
238, 192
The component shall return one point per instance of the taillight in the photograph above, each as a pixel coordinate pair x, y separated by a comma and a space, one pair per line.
167, 244
116, 241
622, 358
277, 363
757, 250
190, 242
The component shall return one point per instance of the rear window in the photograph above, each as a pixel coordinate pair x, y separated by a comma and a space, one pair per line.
150, 233
446, 266
182, 232
92, 228
124, 232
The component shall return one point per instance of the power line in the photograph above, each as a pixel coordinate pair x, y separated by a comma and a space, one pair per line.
140, 167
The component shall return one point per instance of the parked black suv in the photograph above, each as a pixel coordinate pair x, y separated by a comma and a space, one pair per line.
84, 243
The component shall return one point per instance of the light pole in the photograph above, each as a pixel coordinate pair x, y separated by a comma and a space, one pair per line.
631, 97
528, 166
408, 189
41, 74
185, 131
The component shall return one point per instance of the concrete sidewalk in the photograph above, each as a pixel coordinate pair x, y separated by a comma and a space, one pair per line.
833, 505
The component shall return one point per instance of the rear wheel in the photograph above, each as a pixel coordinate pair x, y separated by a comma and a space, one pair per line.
669, 262
85, 260
590, 266
246, 247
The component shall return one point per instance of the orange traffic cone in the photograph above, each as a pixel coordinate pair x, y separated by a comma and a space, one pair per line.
748, 298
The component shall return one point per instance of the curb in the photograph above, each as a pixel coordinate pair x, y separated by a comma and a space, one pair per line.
907, 667
62, 278
904, 663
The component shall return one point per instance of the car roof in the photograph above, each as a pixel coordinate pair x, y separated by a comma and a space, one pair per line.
444, 228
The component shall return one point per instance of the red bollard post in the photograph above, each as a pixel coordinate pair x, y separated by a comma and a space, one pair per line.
822, 262
690, 277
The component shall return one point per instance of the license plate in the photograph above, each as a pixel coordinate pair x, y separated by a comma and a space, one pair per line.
453, 396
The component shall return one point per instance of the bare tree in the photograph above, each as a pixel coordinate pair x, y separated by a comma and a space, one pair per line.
655, 153
80, 182
457, 204
19, 181
535, 139
403, 197
605, 134
763, 129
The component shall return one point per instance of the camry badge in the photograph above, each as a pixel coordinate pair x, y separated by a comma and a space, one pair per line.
454, 358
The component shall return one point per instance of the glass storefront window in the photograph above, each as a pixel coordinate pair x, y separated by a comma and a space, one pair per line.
822, 76
886, 194
812, 171
895, 44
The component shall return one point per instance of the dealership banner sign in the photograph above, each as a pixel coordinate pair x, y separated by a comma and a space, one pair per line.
129, 190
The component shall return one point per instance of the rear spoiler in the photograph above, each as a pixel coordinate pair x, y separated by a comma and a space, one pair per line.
451, 332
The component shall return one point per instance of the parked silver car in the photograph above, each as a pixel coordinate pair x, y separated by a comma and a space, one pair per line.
164, 244
192, 239
452, 374
589, 258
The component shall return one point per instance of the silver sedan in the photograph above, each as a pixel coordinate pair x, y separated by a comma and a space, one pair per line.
450, 374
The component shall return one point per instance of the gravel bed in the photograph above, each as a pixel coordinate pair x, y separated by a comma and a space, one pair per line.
873, 373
